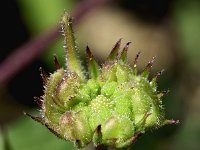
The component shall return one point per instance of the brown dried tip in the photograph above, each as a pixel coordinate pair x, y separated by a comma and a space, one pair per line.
37, 119
78, 143
56, 63
40, 120
39, 101
126, 47
136, 59
149, 65
114, 52
89, 53
98, 136
159, 73
53, 131
163, 93
123, 56
98, 130
93, 67
43, 75
171, 122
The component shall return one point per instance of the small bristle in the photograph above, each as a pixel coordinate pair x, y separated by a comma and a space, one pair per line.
56, 63
155, 78
163, 93
53, 131
38, 119
171, 122
114, 52
43, 75
159, 73
136, 59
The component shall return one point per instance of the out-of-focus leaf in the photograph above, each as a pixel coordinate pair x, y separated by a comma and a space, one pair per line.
188, 137
26, 134
188, 23
1, 141
42, 15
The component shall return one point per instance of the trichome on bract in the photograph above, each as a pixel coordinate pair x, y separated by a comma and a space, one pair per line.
112, 105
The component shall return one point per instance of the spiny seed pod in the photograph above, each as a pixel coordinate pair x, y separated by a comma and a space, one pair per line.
111, 105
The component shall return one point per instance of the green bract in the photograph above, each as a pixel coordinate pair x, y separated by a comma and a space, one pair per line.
111, 104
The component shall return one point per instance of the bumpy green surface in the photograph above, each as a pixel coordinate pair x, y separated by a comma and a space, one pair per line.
111, 105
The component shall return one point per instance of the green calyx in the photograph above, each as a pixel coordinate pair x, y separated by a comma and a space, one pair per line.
112, 106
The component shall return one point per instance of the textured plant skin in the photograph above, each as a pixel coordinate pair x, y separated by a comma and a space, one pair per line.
111, 104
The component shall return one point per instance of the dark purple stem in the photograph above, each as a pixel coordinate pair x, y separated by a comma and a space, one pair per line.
27, 53
24, 55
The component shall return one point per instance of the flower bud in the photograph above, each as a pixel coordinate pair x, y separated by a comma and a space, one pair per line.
111, 105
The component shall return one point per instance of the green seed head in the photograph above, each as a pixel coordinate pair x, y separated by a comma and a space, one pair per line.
112, 105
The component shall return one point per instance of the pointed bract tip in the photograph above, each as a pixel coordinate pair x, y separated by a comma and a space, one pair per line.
114, 52
37, 119
126, 46
77, 143
136, 59
66, 21
97, 138
56, 63
98, 130
150, 64
123, 56
93, 67
118, 42
163, 93
89, 53
38, 101
166, 122
128, 43
44, 75
73, 62
156, 77
66, 18
159, 73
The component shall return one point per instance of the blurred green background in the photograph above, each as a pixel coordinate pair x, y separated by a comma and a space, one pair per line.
168, 29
